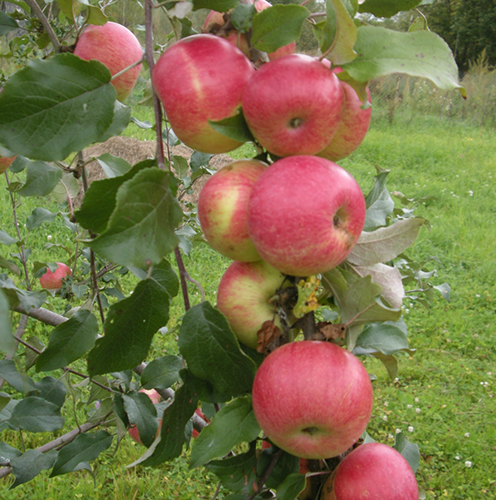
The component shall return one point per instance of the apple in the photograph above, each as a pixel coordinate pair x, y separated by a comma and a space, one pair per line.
201, 78
292, 105
305, 215
6, 162
243, 297
313, 399
374, 471
354, 124
117, 48
223, 209
133, 430
53, 281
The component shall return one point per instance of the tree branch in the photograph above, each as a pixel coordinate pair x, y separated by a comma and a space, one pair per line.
46, 25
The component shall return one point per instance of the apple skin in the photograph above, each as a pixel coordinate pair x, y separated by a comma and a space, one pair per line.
6, 162
155, 397
292, 105
117, 48
354, 126
223, 209
373, 471
313, 399
305, 215
53, 281
201, 78
243, 297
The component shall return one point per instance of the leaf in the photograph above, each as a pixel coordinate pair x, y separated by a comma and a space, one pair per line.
420, 53
234, 127
86, 447
379, 203
291, 487
53, 107
212, 351
10, 265
50, 389
389, 362
25, 298
67, 186
120, 119
19, 381
286, 464
113, 166
277, 26
141, 411
30, 464
234, 424
242, 17
140, 231
387, 8
35, 414
40, 180
445, 290
7, 24
6, 239
100, 199
131, 323
218, 5
161, 373
38, 217
410, 451
199, 159
7, 452
7, 342
386, 243
69, 341
385, 338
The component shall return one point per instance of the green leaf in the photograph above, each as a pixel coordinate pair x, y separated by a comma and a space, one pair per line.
25, 298
161, 373
218, 5
86, 447
120, 120
212, 351
141, 411
113, 166
10, 265
387, 8
291, 487
199, 159
140, 231
242, 17
286, 464
96, 16
100, 199
277, 26
7, 342
234, 127
67, 186
69, 341
53, 107
38, 217
50, 389
410, 451
379, 203
8, 452
445, 290
131, 323
7, 24
40, 180
6, 239
30, 464
385, 338
389, 362
35, 414
234, 424
420, 53
19, 381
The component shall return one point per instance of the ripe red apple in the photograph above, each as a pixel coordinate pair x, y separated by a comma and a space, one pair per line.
133, 430
201, 78
305, 215
354, 124
292, 105
312, 399
373, 471
243, 297
223, 209
6, 162
117, 48
53, 281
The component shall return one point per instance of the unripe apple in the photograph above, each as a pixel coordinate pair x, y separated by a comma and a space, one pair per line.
117, 48
6, 162
305, 215
373, 471
201, 78
243, 297
53, 281
292, 105
223, 209
313, 399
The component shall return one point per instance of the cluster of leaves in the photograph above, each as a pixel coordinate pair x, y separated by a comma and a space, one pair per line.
132, 219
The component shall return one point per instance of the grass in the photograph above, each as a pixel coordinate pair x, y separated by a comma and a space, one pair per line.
443, 398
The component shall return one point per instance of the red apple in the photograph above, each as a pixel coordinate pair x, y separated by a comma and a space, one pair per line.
53, 281
354, 125
292, 105
312, 399
201, 78
243, 297
6, 162
133, 430
223, 209
373, 471
305, 215
117, 48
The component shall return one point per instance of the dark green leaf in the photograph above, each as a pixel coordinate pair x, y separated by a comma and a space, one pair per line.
212, 351
218, 5
50, 389
69, 341
8, 453
10, 265
7, 342
40, 180
6, 239
7, 24
387, 8
286, 464
30, 464
409, 450
140, 231
19, 381
385, 338
234, 424
113, 166
36, 415
38, 217
162, 372
277, 26
141, 411
86, 447
199, 159
119, 409
242, 16
291, 487
234, 127
53, 107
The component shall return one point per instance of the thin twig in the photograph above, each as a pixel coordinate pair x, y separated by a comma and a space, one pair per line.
266, 474
182, 278
46, 25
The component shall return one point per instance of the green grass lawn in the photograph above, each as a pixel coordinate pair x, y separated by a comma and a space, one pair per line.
443, 399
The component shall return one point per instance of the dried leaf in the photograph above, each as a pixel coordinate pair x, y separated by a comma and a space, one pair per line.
268, 337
